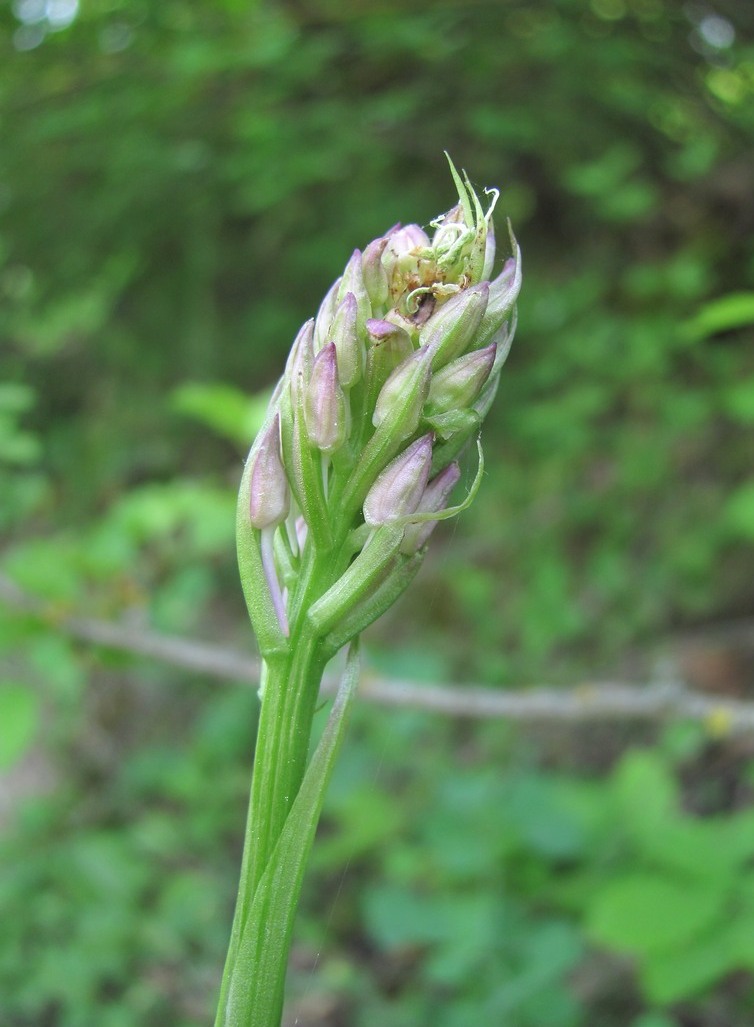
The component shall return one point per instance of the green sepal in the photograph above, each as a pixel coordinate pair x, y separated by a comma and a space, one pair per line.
452, 421
255, 999
360, 578
449, 450
463, 195
371, 608
270, 638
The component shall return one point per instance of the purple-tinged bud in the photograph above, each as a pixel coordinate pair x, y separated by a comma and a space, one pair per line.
325, 406
400, 486
375, 276
404, 242
504, 292
389, 337
435, 498
269, 494
407, 386
353, 281
348, 342
325, 315
451, 330
301, 359
389, 346
458, 384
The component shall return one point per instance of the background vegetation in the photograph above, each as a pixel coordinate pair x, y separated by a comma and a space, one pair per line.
179, 184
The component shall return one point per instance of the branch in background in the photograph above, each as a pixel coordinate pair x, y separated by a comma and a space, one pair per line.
593, 701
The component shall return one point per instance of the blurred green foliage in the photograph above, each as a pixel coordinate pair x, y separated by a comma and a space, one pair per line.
179, 184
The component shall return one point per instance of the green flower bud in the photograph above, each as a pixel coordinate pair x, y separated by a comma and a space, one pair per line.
375, 276
298, 370
407, 387
348, 343
451, 330
325, 315
458, 384
389, 346
353, 281
503, 294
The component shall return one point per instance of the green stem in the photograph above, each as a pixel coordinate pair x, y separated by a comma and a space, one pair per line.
289, 689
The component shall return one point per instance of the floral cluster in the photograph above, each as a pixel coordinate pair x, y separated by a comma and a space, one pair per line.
381, 392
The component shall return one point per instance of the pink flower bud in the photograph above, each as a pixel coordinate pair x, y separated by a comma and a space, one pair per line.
403, 242
458, 384
434, 499
325, 407
269, 494
400, 487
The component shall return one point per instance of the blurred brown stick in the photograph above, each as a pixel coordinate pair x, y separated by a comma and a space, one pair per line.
589, 701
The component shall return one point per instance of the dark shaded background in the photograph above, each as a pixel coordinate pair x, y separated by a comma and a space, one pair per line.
179, 184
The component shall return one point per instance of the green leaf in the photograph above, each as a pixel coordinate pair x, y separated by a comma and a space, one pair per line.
721, 315
19, 717
645, 793
739, 401
691, 968
223, 408
647, 913
739, 511
712, 848
653, 1020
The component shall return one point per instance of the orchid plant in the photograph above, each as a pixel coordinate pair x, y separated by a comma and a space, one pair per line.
343, 486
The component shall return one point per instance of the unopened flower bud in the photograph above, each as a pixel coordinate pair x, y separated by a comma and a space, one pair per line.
348, 342
375, 276
400, 486
434, 498
325, 315
407, 386
353, 281
301, 359
458, 384
390, 346
269, 494
449, 331
325, 406
503, 294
